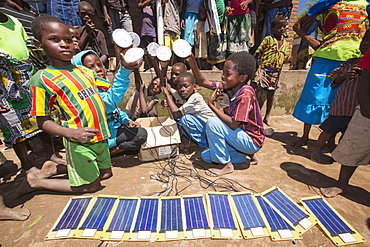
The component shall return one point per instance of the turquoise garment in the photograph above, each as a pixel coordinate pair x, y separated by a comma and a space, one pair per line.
314, 103
111, 98
188, 32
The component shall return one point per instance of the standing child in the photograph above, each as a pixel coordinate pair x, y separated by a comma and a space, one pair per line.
190, 13
345, 102
84, 127
200, 38
275, 51
194, 113
238, 130
75, 38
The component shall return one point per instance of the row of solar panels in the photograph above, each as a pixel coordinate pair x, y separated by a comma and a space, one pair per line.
216, 215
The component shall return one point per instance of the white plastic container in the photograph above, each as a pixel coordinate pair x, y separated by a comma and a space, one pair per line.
164, 53
182, 48
134, 54
136, 38
122, 38
152, 49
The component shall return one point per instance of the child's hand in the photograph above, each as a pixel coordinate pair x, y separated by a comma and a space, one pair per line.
3, 108
229, 11
354, 72
134, 124
215, 96
130, 66
83, 135
164, 103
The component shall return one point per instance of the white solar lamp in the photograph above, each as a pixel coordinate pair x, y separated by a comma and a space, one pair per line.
182, 48
164, 53
122, 38
134, 54
136, 38
152, 49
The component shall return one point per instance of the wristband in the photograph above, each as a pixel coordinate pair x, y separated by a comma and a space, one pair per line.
214, 84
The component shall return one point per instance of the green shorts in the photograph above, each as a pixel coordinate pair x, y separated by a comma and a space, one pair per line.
84, 161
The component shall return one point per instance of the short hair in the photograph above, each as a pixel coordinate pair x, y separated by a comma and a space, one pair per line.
181, 65
244, 63
38, 25
85, 4
187, 75
277, 20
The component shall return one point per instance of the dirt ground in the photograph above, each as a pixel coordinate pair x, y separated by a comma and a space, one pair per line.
280, 165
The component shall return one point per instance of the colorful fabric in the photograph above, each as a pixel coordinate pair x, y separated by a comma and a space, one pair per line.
266, 78
195, 105
221, 10
272, 55
238, 28
65, 10
317, 95
188, 32
171, 19
343, 29
169, 39
244, 108
346, 99
193, 5
354, 148
237, 10
200, 34
84, 161
15, 42
365, 61
217, 46
73, 89
16, 124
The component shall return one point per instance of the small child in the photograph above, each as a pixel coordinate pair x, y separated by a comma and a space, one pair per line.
238, 130
190, 13
125, 134
200, 39
91, 38
346, 99
142, 102
194, 113
75, 38
275, 51
84, 127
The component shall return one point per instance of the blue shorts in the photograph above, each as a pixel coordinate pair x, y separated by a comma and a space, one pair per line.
335, 124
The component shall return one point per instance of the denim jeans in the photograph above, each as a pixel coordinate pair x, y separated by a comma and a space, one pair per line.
194, 128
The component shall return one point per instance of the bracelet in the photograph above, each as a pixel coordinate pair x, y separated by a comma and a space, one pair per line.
214, 84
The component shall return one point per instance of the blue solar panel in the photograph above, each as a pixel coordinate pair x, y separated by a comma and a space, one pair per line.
72, 216
195, 213
122, 219
147, 216
327, 217
99, 213
221, 212
293, 213
248, 211
171, 218
275, 221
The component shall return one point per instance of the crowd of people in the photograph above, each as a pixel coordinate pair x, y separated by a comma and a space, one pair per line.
70, 97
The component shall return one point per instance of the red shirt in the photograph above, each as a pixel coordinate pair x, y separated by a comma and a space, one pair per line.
365, 61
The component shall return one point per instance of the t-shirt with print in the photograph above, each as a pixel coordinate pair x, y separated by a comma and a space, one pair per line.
244, 108
74, 91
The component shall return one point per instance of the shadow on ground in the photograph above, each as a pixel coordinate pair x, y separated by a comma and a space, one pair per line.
318, 180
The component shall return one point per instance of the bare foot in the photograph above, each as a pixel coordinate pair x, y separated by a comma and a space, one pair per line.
49, 169
105, 173
14, 213
254, 160
331, 191
301, 142
33, 170
26, 185
215, 172
197, 154
58, 160
316, 157
267, 121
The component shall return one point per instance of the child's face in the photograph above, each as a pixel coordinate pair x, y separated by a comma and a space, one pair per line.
365, 43
85, 13
230, 76
279, 29
154, 87
76, 39
175, 72
57, 43
93, 62
185, 87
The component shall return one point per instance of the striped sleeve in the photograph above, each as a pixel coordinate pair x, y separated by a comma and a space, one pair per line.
42, 97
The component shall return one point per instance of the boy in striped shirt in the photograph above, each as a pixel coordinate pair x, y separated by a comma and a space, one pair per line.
72, 89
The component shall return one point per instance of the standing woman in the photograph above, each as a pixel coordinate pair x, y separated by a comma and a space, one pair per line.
343, 28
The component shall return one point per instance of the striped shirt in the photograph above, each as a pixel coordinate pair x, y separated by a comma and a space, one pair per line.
73, 90
244, 108
272, 56
346, 98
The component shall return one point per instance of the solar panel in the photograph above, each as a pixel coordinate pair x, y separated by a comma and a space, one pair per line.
147, 216
73, 214
195, 213
171, 216
289, 210
335, 227
248, 211
123, 216
99, 213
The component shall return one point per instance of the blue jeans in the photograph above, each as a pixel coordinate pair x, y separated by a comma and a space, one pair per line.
120, 19
226, 145
194, 128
